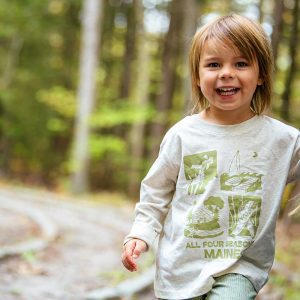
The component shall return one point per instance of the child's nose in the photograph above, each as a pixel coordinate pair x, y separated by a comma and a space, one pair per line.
227, 72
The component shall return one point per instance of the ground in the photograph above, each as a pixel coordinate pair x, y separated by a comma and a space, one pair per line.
81, 258
85, 253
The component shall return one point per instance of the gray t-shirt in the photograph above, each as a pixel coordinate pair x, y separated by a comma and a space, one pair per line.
213, 196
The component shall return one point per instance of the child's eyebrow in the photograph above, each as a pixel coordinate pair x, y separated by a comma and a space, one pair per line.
209, 58
212, 58
240, 57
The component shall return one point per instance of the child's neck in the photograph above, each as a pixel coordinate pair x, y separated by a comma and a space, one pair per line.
225, 117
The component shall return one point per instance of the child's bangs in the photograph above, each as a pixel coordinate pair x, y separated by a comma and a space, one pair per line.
232, 37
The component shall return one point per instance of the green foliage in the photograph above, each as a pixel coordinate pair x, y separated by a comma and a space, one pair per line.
29, 256
287, 252
39, 59
122, 113
289, 290
278, 280
57, 125
109, 144
59, 99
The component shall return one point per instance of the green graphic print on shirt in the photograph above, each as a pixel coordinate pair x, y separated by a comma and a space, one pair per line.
236, 181
244, 212
240, 186
203, 221
244, 182
200, 168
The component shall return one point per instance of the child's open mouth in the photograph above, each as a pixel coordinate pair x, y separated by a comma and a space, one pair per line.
227, 91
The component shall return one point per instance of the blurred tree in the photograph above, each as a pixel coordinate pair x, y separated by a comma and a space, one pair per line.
86, 93
278, 10
130, 44
142, 78
6, 79
190, 15
140, 99
172, 54
12, 61
285, 107
25, 66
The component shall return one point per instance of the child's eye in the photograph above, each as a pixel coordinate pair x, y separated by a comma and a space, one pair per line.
213, 65
241, 64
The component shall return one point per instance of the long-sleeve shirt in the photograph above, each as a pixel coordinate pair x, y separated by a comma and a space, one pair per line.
212, 197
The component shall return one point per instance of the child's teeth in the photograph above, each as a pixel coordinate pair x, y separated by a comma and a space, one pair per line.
227, 91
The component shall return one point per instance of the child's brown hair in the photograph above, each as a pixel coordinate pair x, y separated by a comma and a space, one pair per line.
250, 39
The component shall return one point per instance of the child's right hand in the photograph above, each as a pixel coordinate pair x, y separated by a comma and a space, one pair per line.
131, 251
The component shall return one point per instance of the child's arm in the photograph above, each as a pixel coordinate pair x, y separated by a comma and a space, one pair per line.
131, 251
156, 195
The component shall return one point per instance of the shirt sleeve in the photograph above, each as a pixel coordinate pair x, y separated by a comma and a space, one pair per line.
294, 172
157, 190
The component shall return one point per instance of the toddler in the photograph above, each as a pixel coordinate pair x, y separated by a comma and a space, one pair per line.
212, 196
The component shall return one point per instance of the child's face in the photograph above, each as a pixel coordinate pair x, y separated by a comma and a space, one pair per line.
227, 79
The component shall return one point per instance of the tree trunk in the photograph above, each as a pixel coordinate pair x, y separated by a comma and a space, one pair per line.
106, 39
86, 93
190, 15
129, 52
11, 62
5, 83
69, 54
141, 99
285, 107
277, 26
170, 59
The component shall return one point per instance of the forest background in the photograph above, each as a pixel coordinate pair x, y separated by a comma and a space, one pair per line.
88, 88
139, 84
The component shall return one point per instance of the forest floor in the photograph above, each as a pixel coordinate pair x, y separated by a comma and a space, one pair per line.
85, 254
285, 278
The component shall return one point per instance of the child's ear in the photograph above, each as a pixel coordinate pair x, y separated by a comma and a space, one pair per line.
260, 81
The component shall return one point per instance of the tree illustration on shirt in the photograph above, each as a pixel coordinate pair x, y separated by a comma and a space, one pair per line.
203, 220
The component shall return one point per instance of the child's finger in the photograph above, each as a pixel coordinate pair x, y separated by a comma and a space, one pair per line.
129, 265
140, 247
127, 260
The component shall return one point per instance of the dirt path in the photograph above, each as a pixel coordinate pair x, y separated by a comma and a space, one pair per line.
88, 246
86, 249
15, 228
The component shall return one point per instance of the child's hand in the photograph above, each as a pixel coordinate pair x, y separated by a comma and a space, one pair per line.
131, 251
